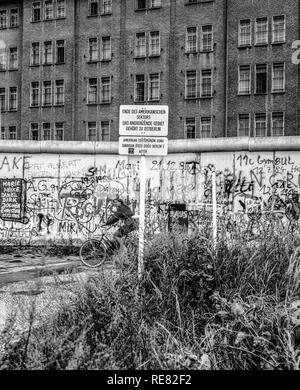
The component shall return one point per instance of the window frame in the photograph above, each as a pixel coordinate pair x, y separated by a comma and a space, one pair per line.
255, 124
187, 48
256, 73
55, 128
155, 53
38, 88
272, 123
266, 41
13, 107
88, 129
149, 87
240, 93
240, 44
207, 50
186, 94
104, 101
11, 25
16, 67
56, 89
284, 78
273, 30
239, 123
90, 91
45, 88
186, 124
135, 88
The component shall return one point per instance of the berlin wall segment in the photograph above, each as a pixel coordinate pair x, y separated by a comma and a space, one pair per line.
67, 196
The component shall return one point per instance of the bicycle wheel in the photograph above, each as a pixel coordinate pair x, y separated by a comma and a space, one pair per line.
92, 253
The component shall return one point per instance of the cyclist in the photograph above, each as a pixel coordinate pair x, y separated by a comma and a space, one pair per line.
121, 212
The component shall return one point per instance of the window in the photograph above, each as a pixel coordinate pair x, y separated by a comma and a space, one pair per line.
60, 52
140, 95
260, 125
93, 7
261, 31
48, 10
36, 12
191, 40
93, 49
59, 131
92, 91
2, 59
140, 4
243, 125
2, 99
47, 93
13, 99
3, 19
207, 38
105, 131
244, 80
105, 89
48, 55
92, 131
105, 49
106, 7
34, 131
35, 94
278, 35
261, 78
61, 9
154, 87
154, 43
206, 83
13, 58
278, 78
14, 17
155, 4
35, 53
12, 132
245, 32
59, 96
190, 128
140, 45
46, 132
3, 133
191, 84
205, 127
277, 124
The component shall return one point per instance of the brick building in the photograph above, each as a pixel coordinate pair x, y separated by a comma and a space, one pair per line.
223, 66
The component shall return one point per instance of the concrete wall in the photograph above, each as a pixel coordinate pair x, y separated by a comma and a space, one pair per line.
66, 194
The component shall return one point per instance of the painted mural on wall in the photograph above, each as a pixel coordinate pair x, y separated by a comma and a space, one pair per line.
55, 197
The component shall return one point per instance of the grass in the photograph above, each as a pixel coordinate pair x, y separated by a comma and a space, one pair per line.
233, 307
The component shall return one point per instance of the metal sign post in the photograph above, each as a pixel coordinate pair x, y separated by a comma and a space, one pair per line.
142, 216
214, 204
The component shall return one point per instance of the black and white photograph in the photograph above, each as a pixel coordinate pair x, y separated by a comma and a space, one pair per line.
149, 188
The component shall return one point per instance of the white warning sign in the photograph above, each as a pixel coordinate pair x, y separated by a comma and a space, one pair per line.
147, 146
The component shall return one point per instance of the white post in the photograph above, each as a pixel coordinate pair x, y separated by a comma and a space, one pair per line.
214, 204
142, 215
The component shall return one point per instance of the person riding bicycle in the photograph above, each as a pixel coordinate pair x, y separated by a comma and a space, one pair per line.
121, 212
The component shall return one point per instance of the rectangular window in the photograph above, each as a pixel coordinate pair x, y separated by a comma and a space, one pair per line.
191, 84
35, 53
155, 4
261, 78
154, 43
47, 93
207, 38
205, 127
140, 4
2, 99
46, 132
154, 86
278, 78
278, 29
191, 45
105, 136
35, 94
261, 31
190, 127
34, 132
36, 12
206, 83
92, 91
13, 58
48, 54
244, 125
14, 17
59, 97
93, 49
260, 125
106, 7
244, 80
105, 89
92, 131
60, 9
245, 32
60, 52
93, 7
13, 99
139, 95
3, 19
140, 45
59, 131
2, 59
277, 124
48, 10
12, 132
3, 133
105, 49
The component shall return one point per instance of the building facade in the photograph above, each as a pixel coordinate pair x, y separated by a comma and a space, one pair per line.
224, 67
